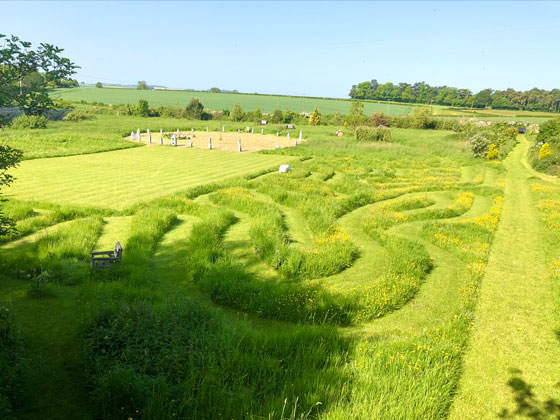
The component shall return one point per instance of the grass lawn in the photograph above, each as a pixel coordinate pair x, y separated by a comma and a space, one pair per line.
122, 178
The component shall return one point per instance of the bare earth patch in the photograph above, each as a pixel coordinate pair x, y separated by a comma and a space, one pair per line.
223, 141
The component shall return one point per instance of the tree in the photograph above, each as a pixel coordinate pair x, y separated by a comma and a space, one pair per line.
289, 116
315, 118
277, 116
194, 109
98, 85
215, 90
142, 109
356, 116
237, 113
257, 115
25, 74
9, 158
142, 85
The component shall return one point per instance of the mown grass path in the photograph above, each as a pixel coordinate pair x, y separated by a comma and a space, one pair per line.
514, 329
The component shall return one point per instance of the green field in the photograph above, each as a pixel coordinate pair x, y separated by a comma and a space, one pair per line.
398, 280
268, 103
218, 101
119, 179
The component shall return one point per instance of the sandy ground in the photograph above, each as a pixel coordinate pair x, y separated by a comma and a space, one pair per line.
224, 141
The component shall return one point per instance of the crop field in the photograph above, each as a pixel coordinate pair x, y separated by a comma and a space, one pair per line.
267, 103
374, 280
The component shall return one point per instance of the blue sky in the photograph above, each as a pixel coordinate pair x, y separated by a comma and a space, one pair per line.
302, 48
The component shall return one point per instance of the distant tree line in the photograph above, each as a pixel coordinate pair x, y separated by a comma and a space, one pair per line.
530, 100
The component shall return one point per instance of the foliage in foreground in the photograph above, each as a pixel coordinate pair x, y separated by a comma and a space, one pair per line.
10, 365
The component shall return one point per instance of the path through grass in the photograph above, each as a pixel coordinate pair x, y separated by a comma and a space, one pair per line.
513, 334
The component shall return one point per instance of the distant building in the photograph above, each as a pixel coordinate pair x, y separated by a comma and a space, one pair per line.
264, 122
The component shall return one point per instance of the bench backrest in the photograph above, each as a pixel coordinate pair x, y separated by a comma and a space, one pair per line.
118, 250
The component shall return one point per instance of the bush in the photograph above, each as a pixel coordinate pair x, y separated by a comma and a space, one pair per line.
29, 121
479, 145
80, 115
423, 118
379, 118
545, 151
370, 134
98, 85
549, 129
492, 152
315, 118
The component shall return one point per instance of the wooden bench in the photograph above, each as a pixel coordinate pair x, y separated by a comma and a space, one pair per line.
102, 259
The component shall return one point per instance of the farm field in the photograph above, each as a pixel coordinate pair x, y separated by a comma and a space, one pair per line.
397, 280
267, 103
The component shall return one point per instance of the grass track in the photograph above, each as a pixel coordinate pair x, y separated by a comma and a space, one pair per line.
121, 178
513, 334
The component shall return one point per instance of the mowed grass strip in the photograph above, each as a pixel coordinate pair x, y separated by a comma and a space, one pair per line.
121, 178
515, 333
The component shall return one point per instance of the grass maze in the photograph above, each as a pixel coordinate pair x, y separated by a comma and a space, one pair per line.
335, 291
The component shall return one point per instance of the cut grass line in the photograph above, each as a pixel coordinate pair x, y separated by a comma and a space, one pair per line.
517, 312
115, 229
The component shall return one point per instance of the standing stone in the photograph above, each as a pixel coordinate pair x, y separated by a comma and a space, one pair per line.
239, 145
239, 130
173, 140
295, 142
207, 129
138, 134
277, 133
299, 136
161, 140
148, 131
177, 131
210, 143
192, 130
288, 136
262, 130
161, 131
190, 144
150, 138
223, 128
278, 147
132, 135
